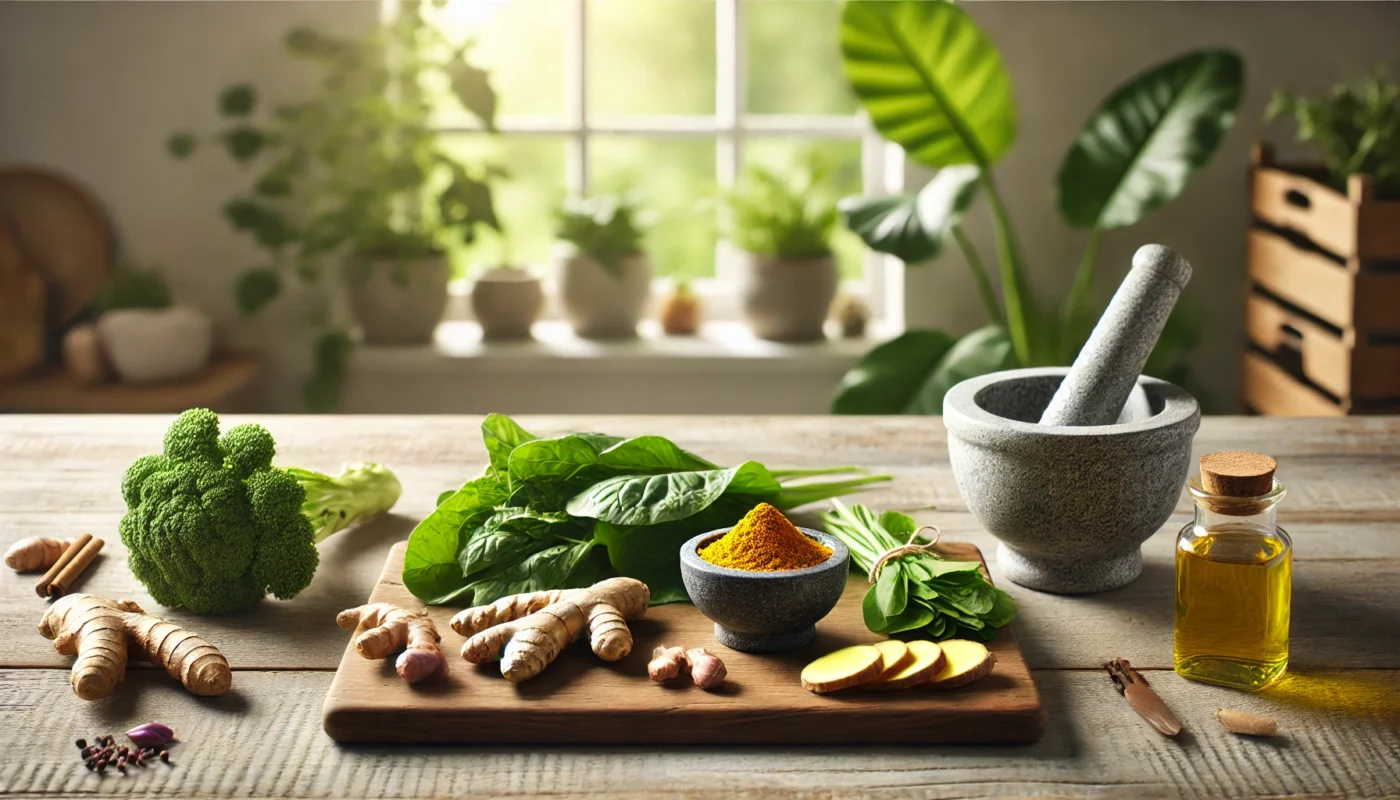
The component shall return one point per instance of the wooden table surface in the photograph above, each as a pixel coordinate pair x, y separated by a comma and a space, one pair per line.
1339, 707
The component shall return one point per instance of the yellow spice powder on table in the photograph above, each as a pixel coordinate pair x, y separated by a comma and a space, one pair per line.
765, 541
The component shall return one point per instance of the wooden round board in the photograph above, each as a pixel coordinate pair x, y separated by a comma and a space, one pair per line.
62, 233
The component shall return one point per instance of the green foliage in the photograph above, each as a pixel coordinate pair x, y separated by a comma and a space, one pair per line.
606, 228
330, 356
132, 287
357, 164
1356, 128
782, 216
569, 510
933, 83
211, 525
917, 595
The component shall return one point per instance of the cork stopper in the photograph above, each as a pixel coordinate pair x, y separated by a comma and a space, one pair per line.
1238, 473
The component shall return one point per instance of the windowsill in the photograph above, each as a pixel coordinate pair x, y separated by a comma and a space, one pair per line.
720, 347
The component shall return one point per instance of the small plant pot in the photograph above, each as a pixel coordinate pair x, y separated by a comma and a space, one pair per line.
786, 300
155, 345
598, 303
398, 301
507, 301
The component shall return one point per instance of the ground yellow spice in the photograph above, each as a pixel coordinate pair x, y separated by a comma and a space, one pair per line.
765, 541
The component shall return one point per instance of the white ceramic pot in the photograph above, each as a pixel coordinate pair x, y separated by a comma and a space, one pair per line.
507, 301
598, 303
398, 301
151, 345
786, 300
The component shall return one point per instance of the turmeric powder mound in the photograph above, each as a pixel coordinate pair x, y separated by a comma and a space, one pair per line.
765, 541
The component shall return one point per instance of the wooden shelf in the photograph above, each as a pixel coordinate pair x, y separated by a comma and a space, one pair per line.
54, 391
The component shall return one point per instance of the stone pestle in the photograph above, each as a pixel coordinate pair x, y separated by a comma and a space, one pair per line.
1106, 371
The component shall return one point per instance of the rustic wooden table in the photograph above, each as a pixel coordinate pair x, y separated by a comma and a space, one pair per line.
1339, 707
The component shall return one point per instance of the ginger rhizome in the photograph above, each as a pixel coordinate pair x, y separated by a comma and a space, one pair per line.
706, 670
97, 631
388, 629
765, 541
528, 631
35, 554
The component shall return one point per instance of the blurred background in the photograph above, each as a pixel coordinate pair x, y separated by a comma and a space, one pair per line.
685, 206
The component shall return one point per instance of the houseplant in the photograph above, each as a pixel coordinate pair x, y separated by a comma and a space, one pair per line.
145, 335
602, 270
781, 225
355, 172
1356, 129
950, 106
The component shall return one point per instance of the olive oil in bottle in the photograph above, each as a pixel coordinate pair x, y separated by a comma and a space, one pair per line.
1233, 576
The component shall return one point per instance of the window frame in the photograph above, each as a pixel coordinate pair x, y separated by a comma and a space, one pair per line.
882, 163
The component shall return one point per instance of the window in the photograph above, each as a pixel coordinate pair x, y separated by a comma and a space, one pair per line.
670, 99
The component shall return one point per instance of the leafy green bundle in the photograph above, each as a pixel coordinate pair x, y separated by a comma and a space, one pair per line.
571, 510
918, 594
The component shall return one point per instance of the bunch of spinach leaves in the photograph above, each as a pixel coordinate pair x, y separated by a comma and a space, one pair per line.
918, 595
568, 511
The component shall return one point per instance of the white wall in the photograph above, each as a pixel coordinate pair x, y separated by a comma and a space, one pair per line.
94, 89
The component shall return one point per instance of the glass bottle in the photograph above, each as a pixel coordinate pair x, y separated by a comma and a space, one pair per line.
1233, 588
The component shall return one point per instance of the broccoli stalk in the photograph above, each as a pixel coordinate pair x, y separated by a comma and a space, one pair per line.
213, 527
335, 502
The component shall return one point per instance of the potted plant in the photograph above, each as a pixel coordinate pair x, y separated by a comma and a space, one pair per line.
355, 174
145, 336
602, 271
782, 226
950, 107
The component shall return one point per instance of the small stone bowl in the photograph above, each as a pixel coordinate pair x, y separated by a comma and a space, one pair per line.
765, 612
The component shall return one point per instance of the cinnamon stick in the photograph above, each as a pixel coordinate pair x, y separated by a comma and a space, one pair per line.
68, 555
75, 568
1143, 700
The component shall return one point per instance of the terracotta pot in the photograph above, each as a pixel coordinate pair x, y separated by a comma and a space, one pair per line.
598, 303
151, 345
507, 301
398, 301
786, 300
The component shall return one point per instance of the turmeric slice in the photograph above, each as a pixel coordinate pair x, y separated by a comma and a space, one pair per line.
964, 662
843, 669
895, 656
927, 660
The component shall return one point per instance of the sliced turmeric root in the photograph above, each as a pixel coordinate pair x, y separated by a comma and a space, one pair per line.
896, 656
928, 660
843, 669
964, 662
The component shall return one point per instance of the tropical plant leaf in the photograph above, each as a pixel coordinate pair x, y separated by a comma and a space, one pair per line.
931, 80
1140, 149
888, 379
472, 86
983, 351
911, 227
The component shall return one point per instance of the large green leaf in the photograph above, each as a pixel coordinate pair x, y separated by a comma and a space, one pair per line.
431, 568
911, 227
501, 435
1149, 137
931, 80
654, 499
888, 379
983, 351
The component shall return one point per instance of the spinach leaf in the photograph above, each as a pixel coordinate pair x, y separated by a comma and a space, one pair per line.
550, 471
651, 554
501, 435
651, 454
546, 569
654, 499
912, 618
892, 590
431, 569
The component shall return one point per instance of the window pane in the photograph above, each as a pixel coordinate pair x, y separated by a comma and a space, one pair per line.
843, 158
675, 179
525, 202
651, 57
794, 52
521, 43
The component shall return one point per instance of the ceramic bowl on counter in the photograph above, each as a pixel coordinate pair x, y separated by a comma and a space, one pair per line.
765, 612
153, 345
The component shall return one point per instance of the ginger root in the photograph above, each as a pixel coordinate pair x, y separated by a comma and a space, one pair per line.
851, 666
528, 631
97, 631
706, 670
964, 662
390, 628
35, 554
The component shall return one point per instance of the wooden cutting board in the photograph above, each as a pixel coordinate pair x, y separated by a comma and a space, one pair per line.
582, 699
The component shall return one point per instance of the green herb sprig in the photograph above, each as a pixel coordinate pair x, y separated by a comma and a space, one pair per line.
1356, 128
917, 594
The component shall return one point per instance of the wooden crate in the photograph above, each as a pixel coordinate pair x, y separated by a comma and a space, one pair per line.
1322, 307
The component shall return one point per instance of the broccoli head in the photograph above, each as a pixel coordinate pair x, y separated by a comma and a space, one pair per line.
211, 525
